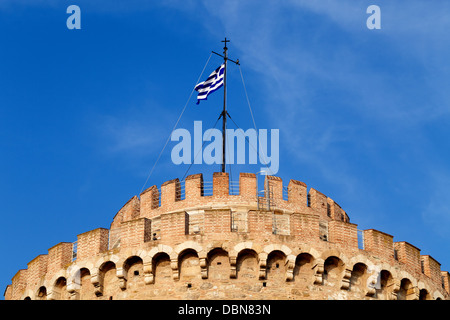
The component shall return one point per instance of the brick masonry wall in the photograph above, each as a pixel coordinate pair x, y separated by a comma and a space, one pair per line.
234, 237
92, 243
344, 234
409, 255
134, 233
59, 256
432, 269
380, 244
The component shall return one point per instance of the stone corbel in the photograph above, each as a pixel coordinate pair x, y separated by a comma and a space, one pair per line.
345, 283
50, 295
72, 290
122, 275
262, 268
98, 284
370, 291
318, 276
290, 264
371, 286
396, 288
148, 273
416, 293
262, 265
233, 271
204, 268
174, 266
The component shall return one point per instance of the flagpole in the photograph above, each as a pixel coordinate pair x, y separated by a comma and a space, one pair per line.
224, 112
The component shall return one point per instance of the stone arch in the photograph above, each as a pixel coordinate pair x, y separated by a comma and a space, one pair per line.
385, 285
195, 246
424, 294
30, 295
278, 247
161, 248
86, 291
304, 269
338, 254
161, 267
108, 279
240, 247
276, 267
218, 264
53, 294
41, 293
189, 266
333, 270
406, 290
438, 296
307, 249
157, 256
358, 279
59, 291
247, 265
79, 281
132, 272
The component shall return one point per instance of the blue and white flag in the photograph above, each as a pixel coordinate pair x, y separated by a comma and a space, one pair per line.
214, 82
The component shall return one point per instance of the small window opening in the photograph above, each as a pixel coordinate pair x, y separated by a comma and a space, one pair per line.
277, 265
136, 272
189, 285
264, 284
219, 263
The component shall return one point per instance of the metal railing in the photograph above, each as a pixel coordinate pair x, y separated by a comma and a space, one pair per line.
265, 198
207, 188
285, 193
74, 250
234, 188
360, 239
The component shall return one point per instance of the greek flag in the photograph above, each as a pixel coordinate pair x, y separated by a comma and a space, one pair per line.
214, 82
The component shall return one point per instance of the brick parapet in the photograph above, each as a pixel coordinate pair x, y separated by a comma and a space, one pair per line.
92, 243
295, 222
409, 255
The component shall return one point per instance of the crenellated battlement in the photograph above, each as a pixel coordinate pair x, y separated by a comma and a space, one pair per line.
232, 224
174, 195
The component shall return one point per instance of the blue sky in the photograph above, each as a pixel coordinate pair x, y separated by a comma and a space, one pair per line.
363, 114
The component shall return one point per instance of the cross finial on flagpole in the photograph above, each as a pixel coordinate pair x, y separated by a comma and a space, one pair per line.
225, 41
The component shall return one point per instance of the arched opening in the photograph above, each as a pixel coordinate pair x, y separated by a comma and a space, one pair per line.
333, 269
162, 271
304, 269
42, 293
189, 266
424, 295
87, 288
110, 280
247, 265
276, 267
358, 279
60, 289
406, 291
218, 264
27, 298
385, 286
134, 269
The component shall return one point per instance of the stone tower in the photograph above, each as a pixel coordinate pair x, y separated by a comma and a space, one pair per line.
222, 239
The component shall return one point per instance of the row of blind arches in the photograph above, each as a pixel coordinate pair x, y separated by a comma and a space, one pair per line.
218, 265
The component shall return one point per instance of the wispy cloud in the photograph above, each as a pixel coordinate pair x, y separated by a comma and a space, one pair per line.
436, 214
136, 134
